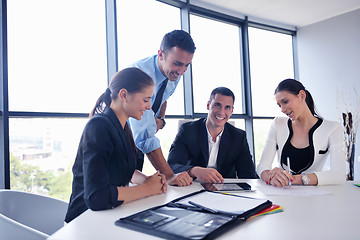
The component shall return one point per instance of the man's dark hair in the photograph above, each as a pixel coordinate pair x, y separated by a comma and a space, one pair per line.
223, 91
177, 38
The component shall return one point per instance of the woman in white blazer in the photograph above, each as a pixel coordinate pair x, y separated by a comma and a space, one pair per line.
304, 140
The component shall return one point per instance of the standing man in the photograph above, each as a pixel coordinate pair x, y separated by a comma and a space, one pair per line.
172, 60
211, 149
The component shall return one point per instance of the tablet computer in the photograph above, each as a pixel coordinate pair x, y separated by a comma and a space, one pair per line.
241, 186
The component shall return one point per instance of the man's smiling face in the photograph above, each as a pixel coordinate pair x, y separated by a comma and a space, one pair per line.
220, 110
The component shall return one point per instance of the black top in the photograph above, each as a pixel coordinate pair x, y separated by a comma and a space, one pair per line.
190, 148
300, 158
104, 161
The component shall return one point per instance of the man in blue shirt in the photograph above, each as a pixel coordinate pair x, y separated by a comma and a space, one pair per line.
172, 60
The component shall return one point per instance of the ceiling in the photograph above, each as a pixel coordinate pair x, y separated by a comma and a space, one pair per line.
298, 13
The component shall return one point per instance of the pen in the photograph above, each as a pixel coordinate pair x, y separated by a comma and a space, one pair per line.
203, 207
288, 166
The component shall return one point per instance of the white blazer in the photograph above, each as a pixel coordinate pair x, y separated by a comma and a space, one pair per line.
327, 139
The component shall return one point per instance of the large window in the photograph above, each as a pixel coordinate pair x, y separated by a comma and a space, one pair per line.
140, 31
55, 56
42, 152
141, 26
216, 62
271, 61
57, 63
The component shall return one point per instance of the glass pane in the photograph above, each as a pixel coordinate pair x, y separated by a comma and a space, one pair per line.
271, 61
57, 51
239, 123
261, 130
42, 152
175, 104
216, 61
139, 38
166, 136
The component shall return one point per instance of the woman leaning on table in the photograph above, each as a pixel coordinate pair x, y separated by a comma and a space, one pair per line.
105, 161
305, 138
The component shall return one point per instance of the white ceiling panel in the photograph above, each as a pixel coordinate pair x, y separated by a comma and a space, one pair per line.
297, 13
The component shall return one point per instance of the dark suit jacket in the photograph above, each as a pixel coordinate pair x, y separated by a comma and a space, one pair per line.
105, 160
190, 148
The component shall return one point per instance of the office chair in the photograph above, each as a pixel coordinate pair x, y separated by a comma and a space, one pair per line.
39, 213
12, 230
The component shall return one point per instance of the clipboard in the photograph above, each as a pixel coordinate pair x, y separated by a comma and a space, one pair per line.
187, 218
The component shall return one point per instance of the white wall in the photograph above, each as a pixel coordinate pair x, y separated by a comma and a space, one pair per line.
329, 60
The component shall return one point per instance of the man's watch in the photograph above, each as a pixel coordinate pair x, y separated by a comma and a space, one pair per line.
305, 179
163, 120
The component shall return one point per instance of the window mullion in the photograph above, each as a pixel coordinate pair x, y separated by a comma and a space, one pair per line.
4, 108
187, 77
247, 99
111, 38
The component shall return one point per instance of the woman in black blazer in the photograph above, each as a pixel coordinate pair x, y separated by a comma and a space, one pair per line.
105, 162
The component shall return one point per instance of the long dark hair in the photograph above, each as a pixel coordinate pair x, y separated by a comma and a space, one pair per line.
133, 80
294, 87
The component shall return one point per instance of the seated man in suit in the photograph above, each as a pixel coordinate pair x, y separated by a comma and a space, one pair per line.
211, 149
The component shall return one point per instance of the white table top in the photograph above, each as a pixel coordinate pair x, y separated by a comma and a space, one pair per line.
335, 215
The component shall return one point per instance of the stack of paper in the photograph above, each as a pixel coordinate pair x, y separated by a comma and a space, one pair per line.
223, 203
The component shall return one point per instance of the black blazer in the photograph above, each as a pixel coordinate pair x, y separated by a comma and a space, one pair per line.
190, 148
104, 161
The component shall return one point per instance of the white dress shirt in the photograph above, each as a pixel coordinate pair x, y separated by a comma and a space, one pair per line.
213, 149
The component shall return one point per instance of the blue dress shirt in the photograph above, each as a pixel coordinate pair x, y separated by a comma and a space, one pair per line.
144, 130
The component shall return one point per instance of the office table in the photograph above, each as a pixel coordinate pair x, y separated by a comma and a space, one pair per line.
335, 215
